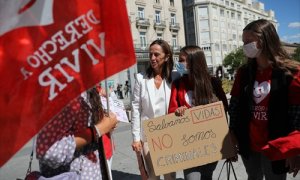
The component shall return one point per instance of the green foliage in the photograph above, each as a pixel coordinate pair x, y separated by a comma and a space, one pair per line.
227, 85
234, 60
296, 55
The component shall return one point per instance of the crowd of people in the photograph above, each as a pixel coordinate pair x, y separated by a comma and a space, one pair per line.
264, 107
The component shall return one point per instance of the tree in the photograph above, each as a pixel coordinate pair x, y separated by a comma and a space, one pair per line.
234, 60
296, 55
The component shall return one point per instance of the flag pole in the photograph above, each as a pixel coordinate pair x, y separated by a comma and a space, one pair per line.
107, 94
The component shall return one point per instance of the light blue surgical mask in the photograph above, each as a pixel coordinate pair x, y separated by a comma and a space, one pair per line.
181, 69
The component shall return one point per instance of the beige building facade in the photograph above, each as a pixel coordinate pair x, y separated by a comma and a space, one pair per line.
217, 25
155, 19
150, 20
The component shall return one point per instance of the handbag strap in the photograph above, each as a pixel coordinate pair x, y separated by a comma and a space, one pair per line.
31, 157
229, 166
102, 160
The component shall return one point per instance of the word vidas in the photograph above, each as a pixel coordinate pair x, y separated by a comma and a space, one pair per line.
72, 32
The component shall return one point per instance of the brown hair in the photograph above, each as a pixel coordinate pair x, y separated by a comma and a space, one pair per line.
199, 75
271, 45
96, 105
168, 65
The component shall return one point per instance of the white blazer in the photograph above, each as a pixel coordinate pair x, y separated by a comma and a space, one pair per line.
142, 104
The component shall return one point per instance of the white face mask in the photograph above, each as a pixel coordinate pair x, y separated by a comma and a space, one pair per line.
251, 51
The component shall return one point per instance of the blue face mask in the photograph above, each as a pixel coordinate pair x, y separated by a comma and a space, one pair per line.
181, 69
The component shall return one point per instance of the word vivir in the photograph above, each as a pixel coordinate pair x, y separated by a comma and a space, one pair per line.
207, 113
74, 31
195, 153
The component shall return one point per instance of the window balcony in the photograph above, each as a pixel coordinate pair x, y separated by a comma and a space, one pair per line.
159, 25
174, 26
176, 48
142, 22
141, 47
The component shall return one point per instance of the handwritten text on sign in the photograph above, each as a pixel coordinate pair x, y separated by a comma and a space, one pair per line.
198, 137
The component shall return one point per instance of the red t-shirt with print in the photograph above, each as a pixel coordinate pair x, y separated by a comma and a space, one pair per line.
259, 122
258, 127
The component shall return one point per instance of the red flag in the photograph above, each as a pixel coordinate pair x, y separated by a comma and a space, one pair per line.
50, 52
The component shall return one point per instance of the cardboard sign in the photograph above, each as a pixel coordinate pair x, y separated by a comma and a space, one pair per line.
198, 137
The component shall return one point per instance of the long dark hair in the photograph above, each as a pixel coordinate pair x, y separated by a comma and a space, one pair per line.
271, 45
199, 75
96, 105
168, 65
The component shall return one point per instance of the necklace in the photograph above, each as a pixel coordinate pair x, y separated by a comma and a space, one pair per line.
157, 81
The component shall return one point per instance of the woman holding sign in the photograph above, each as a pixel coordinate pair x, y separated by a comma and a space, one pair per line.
196, 87
265, 102
151, 97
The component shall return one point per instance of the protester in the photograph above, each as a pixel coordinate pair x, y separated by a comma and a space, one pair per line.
265, 101
151, 97
119, 91
126, 89
196, 87
70, 142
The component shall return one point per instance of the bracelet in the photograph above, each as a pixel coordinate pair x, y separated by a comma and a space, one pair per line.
97, 132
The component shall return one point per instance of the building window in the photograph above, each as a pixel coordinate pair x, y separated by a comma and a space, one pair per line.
208, 60
232, 15
174, 41
216, 36
173, 18
203, 24
239, 16
157, 16
159, 36
227, 3
218, 60
203, 12
224, 47
217, 47
143, 40
172, 3
234, 36
232, 5
157, 1
215, 11
222, 25
222, 12
223, 36
204, 36
141, 12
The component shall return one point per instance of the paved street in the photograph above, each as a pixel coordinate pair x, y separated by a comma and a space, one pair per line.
124, 161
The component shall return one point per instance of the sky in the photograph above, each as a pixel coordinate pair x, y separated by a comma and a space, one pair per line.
287, 13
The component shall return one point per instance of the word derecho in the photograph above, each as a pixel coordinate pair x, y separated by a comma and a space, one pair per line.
194, 139
72, 32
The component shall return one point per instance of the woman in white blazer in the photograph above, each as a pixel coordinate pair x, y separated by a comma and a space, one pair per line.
151, 96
